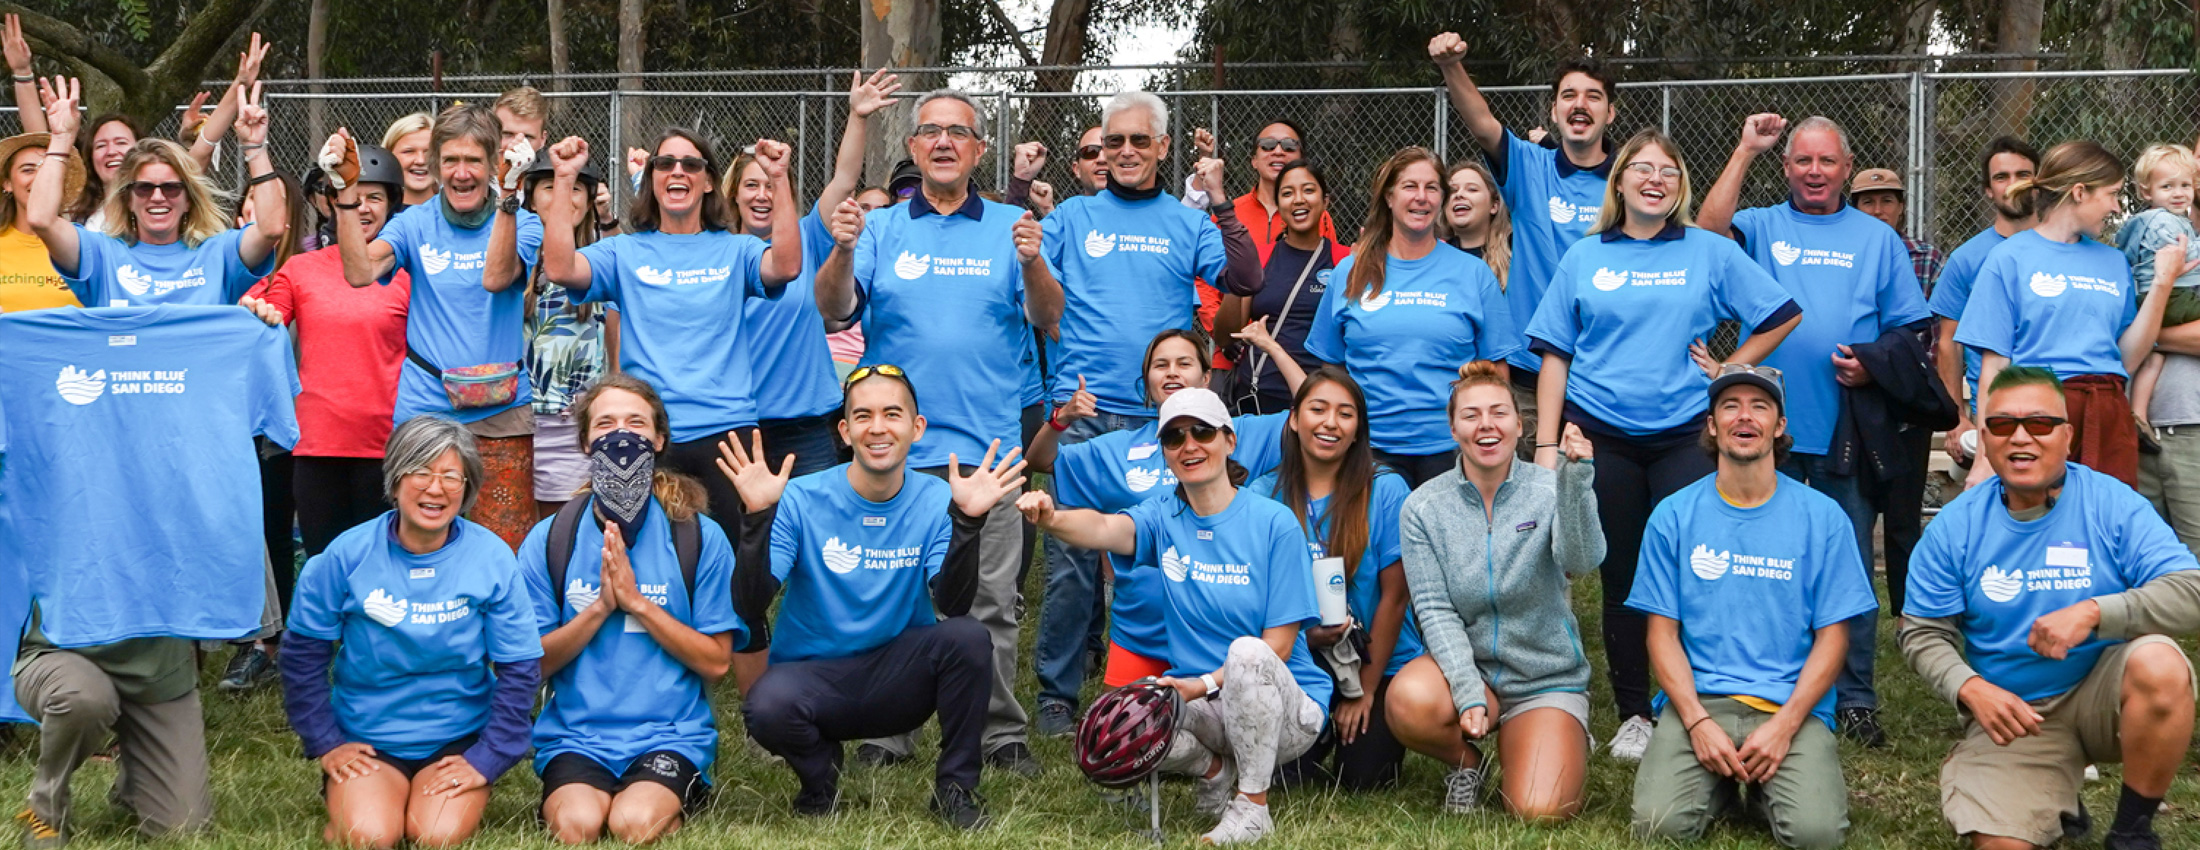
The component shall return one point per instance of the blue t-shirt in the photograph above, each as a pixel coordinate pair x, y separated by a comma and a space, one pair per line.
624, 695
786, 336
15, 599
1405, 344
1111, 472
1365, 593
416, 633
132, 466
1235, 574
943, 297
114, 273
1624, 311
1997, 575
2059, 305
1852, 276
1552, 208
453, 321
1751, 586
855, 573
680, 300
1127, 270
1953, 291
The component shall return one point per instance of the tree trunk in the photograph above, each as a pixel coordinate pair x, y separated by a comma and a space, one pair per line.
902, 34
634, 110
2019, 33
316, 58
561, 52
1917, 27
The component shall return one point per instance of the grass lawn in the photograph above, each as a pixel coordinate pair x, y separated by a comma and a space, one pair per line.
265, 793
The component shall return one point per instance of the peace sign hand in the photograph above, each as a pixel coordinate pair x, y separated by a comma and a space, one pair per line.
760, 487
251, 127
978, 492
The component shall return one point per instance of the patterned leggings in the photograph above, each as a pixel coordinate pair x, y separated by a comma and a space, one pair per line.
1261, 718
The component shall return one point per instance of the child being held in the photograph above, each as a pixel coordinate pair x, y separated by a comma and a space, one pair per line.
2164, 175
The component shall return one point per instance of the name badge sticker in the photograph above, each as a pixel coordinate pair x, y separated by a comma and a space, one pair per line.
874, 521
421, 573
121, 340
1143, 451
1205, 535
2066, 555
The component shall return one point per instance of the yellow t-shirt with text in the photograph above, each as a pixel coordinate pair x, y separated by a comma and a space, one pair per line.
27, 278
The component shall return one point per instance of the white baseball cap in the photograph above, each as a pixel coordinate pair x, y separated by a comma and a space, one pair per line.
1198, 403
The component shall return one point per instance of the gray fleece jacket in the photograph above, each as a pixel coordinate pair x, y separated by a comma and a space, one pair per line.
1489, 589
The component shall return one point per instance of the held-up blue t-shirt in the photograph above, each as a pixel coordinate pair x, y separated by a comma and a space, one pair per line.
132, 465
1405, 344
942, 296
855, 573
681, 300
1624, 311
1953, 292
1553, 205
1383, 552
416, 633
1997, 575
788, 357
2059, 305
453, 321
1751, 586
1235, 574
15, 598
1852, 276
114, 273
625, 695
1126, 269
1118, 469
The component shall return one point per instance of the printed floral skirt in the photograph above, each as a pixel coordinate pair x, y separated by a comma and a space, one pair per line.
507, 503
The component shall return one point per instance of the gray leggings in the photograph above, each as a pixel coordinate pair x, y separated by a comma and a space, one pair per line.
1261, 718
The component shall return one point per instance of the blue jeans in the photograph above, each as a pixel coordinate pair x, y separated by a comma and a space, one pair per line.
811, 439
1853, 689
1071, 613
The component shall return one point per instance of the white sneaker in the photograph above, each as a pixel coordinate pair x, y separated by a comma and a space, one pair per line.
1244, 822
1463, 790
1216, 792
1632, 739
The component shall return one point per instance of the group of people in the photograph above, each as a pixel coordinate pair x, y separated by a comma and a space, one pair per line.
546, 445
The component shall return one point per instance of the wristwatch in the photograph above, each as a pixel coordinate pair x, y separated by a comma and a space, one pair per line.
1213, 687
509, 204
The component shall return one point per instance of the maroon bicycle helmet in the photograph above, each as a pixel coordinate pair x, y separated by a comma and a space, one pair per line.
1123, 737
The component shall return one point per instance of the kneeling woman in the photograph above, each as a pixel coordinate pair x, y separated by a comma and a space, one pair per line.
1239, 587
633, 594
412, 610
1488, 547
1347, 507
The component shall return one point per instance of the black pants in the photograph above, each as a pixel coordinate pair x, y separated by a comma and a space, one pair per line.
814, 441
1418, 469
1632, 478
802, 710
278, 512
1371, 761
1901, 506
334, 494
698, 459
1034, 419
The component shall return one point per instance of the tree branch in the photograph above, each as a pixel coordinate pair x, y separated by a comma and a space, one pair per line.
60, 41
1015, 36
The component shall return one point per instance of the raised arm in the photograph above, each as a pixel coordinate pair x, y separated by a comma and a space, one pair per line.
1447, 50
364, 262
1241, 273
783, 260
1043, 298
18, 52
43, 214
1047, 443
501, 267
1081, 528
865, 98
836, 279
231, 105
1256, 333
270, 204
1759, 133
561, 262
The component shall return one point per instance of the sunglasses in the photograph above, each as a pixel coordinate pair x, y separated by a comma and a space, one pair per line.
1140, 141
1089, 152
887, 370
1287, 145
957, 132
146, 191
1202, 432
687, 164
2037, 426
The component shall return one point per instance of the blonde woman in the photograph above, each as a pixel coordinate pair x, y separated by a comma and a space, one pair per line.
410, 139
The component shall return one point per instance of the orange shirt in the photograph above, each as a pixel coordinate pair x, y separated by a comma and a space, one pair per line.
1266, 230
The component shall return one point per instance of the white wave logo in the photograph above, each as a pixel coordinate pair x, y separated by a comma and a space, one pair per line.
78, 388
1141, 480
2001, 585
2049, 285
383, 609
654, 276
581, 594
1373, 301
1099, 244
433, 260
1786, 254
1561, 212
1607, 280
1321, 280
910, 266
1175, 566
1709, 565
133, 281
840, 558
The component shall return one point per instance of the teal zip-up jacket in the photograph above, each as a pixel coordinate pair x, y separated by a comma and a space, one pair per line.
1490, 589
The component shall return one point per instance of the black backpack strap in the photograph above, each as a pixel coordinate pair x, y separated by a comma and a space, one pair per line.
563, 528
422, 362
687, 542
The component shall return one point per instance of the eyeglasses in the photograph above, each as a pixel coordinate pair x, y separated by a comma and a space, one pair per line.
1113, 141
1173, 438
2037, 426
957, 132
421, 478
687, 164
1089, 152
888, 370
147, 191
1287, 145
1644, 169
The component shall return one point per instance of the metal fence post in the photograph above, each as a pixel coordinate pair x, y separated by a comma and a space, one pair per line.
1003, 150
619, 188
1443, 115
801, 143
1665, 110
1921, 187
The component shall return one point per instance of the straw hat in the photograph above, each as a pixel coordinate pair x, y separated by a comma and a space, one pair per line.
71, 186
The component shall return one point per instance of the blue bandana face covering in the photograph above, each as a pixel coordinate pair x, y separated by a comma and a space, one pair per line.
621, 466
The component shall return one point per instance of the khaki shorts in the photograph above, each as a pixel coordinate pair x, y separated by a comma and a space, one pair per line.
1571, 702
2021, 790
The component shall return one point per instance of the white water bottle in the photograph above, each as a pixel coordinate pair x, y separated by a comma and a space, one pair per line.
1329, 590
